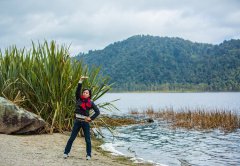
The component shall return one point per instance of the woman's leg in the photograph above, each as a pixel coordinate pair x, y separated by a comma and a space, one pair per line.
75, 130
86, 130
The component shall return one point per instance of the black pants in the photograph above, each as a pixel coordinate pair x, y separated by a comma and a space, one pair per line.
86, 129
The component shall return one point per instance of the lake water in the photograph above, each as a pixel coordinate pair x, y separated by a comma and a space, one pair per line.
159, 144
229, 101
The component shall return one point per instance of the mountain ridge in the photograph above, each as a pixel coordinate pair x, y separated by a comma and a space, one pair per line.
145, 62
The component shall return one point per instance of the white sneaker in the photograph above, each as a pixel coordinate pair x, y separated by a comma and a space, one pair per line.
88, 158
65, 156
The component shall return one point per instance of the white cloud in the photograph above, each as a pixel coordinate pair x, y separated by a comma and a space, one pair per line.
89, 24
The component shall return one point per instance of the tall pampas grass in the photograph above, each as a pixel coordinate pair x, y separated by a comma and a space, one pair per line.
43, 80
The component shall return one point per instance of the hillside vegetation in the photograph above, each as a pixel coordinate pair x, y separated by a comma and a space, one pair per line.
168, 64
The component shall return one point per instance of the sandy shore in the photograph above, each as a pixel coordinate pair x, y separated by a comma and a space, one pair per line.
47, 150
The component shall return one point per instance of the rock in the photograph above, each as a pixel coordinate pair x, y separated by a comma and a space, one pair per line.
150, 120
15, 120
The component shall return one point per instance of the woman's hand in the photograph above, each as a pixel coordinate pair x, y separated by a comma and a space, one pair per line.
82, 78
88, 119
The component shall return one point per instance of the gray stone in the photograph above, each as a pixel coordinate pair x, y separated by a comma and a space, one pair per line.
150, 120
15, 120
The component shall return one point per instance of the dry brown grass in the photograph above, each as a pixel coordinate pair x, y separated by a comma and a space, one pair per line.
197, 118
113, 122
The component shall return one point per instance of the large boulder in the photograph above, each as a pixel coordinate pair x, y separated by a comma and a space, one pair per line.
15, 120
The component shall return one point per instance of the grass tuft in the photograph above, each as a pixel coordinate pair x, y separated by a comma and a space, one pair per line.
43, 80
195, 119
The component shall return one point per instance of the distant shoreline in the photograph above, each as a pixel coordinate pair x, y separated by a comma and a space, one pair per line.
173, 91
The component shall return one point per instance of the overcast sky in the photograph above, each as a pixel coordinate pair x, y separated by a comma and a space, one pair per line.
93, 24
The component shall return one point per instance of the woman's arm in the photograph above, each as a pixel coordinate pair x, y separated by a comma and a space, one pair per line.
79, 87
96, 110
78, 91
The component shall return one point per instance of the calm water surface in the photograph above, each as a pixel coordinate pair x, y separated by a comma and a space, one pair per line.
221, 100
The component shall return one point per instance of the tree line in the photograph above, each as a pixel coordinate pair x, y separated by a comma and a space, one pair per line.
153, 63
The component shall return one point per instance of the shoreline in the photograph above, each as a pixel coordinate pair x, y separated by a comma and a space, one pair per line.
47, 150
173, 91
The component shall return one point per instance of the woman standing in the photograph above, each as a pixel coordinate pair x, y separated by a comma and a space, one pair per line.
82, 118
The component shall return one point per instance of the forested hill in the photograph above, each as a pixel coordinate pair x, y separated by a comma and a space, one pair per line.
162, 63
